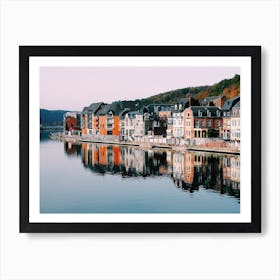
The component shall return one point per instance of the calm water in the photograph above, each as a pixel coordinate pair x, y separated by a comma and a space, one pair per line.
94, 178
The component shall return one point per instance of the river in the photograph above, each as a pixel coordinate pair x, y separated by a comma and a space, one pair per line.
96, 178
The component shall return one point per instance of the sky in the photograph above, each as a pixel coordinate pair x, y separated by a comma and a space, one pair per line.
72, 88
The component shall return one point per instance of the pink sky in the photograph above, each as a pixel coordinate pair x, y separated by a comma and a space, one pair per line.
72, 88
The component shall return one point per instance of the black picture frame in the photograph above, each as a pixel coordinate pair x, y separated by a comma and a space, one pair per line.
254, 52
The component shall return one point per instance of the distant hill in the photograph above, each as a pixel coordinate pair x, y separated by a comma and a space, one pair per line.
51, 117
228, 87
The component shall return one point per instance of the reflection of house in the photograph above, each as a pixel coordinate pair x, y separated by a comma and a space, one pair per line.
235, 170
202, 122
189, 168
178, 167
226, 168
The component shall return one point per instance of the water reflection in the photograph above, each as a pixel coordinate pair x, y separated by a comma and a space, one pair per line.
188, 170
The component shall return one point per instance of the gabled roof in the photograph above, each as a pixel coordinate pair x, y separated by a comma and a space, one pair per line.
231, 102
237, 105
123, 112
95, 106
103, 109
85, 109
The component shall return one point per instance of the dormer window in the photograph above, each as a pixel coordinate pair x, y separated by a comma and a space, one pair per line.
180, 106
199, 113
225, 114
208, 114
218, 113
176, 107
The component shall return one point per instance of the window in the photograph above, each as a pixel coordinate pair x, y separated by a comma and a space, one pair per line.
218, 113
203, 123
208, 113
209, 123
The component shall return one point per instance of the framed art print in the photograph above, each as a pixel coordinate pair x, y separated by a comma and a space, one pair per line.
140, 138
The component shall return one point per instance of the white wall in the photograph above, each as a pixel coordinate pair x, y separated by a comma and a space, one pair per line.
139, 256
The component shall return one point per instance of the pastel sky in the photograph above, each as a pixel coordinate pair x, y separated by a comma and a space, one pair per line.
72, 88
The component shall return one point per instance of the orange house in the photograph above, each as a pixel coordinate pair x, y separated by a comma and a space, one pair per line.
85, 121
108, 119
103, 125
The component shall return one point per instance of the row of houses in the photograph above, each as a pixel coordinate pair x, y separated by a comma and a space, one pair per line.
186, 120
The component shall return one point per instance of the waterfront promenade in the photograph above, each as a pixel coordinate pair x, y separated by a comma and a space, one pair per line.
209, 146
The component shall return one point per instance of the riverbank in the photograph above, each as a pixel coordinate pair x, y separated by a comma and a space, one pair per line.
142, 145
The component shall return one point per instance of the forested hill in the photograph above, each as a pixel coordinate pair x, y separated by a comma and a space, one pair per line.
174, 96
51, 117
228, 87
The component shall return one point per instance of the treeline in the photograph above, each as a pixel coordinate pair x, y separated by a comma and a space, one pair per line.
228, 87
51, 117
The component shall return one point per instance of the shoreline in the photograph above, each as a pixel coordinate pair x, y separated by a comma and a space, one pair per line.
78, 139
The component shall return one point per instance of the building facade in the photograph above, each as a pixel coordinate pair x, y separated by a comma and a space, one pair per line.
202, 122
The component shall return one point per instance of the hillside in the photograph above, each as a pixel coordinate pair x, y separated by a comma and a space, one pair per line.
51, 117
228, 87
174, 96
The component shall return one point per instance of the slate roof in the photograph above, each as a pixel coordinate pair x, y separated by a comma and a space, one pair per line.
95, 106
185, 103
204, 110
237, 105
85, 109
123, 112
102, 111
206, 100
231, 102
